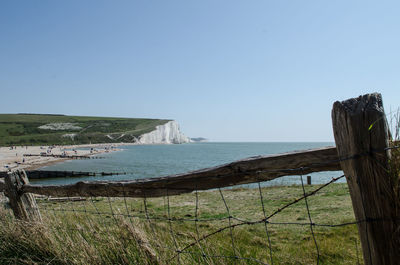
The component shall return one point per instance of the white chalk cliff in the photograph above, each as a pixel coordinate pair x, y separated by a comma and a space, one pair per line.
169, 133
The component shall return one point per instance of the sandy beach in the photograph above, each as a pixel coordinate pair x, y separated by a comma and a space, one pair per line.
13, 157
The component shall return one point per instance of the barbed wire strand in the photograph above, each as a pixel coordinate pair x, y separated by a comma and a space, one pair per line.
171, 230
265, 223
309, 218
264, 219
98, 213
87, 216
196, 212
135, 238
76, 216
114, 217
151, 225
230, 223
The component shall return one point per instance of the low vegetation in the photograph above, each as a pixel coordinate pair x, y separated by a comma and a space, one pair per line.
46, 129
117, 230
394, 162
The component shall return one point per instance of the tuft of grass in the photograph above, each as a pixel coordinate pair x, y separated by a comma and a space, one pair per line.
394, 162
118, 230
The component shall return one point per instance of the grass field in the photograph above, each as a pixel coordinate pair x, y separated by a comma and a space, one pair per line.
23, 129
117, 231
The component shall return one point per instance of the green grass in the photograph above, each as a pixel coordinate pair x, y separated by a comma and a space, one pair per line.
23, 129
74, 232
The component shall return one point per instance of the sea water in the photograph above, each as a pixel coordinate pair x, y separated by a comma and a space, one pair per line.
147, 161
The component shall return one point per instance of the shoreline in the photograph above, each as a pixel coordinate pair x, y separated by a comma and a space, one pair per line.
13, 157
45, 164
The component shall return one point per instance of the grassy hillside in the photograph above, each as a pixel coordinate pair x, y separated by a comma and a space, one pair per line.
38, 129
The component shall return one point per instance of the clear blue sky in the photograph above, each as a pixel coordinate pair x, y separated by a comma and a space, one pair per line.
225, 70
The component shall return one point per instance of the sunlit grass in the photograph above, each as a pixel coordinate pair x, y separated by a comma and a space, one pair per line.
117, 231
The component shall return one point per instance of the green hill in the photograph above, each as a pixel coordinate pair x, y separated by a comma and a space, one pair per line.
47, 129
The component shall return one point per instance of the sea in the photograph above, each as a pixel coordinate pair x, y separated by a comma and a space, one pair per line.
148, 161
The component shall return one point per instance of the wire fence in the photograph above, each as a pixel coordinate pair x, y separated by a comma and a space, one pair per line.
193, 218
300, 224
234, 226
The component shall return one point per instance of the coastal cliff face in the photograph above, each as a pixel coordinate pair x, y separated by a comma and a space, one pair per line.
168, 133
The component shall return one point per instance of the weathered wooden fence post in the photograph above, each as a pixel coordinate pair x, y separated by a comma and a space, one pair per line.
23, 205
362, 137
2, 185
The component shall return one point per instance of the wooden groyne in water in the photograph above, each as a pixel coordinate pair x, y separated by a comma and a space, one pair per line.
67, 156
43, 174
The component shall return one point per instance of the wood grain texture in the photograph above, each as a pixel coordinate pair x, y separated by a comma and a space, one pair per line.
23, 205
250, 170
2, 185
360, 127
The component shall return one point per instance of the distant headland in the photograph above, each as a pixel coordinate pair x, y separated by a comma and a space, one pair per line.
59, 129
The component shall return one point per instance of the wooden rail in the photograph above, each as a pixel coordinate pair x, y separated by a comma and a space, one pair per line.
250, 170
